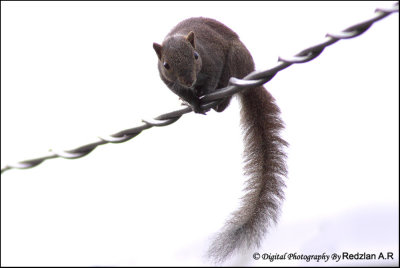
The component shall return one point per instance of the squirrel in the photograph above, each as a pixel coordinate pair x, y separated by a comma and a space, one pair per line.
197, 57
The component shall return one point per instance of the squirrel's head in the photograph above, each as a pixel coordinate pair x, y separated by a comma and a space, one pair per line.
178, 59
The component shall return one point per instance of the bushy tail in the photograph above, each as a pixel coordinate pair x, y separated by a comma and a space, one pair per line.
265, 168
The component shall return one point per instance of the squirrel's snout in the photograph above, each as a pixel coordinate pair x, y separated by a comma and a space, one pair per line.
187, 82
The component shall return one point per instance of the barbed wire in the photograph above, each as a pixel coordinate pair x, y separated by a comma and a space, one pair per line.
235, 85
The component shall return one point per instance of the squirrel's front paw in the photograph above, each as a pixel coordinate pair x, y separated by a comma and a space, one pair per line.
195, 106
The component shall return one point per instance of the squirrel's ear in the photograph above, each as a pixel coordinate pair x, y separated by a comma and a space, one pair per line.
157, 48
190, 38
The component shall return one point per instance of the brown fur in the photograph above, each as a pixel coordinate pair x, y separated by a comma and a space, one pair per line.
221, 56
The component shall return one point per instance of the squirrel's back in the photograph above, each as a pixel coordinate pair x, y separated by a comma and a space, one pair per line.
204, 28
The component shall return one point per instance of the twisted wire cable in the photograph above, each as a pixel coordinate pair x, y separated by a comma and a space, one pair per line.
235, 85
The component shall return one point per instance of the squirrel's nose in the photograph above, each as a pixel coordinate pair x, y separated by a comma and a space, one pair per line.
188, 82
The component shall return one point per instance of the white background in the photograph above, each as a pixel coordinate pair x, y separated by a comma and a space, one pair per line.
71, 71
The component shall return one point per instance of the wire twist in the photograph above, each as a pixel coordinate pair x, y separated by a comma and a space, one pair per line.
235, 85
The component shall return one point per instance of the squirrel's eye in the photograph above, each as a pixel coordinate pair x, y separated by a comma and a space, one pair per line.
166, 65
196, 55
